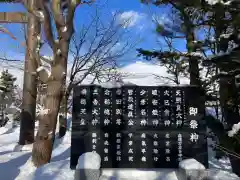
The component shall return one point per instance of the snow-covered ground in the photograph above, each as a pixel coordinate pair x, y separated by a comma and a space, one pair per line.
15, 161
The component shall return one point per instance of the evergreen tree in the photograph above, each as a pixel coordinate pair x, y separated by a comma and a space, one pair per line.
6, 93
186, 19
220, 22
225, 20
7, 85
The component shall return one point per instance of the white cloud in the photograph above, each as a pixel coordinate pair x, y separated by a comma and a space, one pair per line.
130, 18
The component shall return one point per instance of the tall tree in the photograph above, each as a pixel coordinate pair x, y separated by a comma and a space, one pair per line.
224, 19
168, 56
187, 13
27, 124
61, 14
220, 20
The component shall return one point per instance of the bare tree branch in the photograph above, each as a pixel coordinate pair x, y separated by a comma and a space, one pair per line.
104, 45
6, 31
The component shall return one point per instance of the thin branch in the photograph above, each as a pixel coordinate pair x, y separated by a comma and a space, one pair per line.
57, 13
6, 31
47, 24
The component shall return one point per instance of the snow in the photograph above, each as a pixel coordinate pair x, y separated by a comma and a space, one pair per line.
43, 68
89, 161
44, 112
57, 41
39, 14
126, 174
18, 158
196, 54
141, 72
225, 35
40, 68
64, 29
58, 51
235, 130
38, 37
213, 2
191, 164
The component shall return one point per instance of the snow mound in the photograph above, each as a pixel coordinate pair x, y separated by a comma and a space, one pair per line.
89, 160
127, 174
53, 171
190, 164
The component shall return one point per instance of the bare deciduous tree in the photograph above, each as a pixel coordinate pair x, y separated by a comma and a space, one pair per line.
97, 49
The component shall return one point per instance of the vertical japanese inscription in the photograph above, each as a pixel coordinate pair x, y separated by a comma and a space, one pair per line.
179, 115
167, 147
167, 113
193, 111
143, 108
107, 108
106, 145
95, 121
179, 141
131, 149
130, 106
155, 110
118, 146
156, 148
82, 114
154, 127
94, 141
118, 108
144, 148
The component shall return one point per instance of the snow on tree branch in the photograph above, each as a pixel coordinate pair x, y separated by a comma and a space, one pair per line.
44, 73
44, 112
46, 59
235, 130
213, 2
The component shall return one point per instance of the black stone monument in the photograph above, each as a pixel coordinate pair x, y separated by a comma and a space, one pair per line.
139, 126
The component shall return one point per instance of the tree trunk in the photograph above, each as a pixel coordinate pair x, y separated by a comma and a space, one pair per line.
42, 148
235, 162
64, 110
230, 113
27, 124
193, 61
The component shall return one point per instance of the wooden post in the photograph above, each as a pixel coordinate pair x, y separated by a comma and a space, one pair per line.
13, 17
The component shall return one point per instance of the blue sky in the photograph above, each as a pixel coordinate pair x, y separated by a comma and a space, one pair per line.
141, 27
